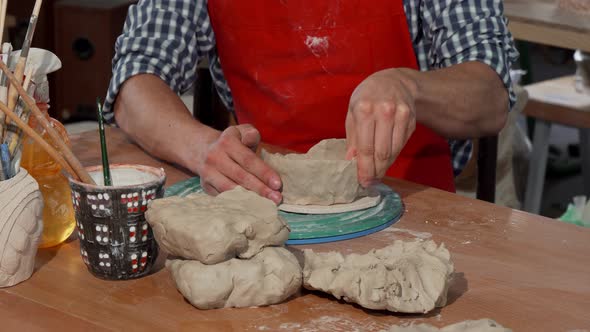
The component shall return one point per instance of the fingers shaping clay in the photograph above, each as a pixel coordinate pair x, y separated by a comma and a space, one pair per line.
214, 229
482, 325
322, 176
410, 277
270, 277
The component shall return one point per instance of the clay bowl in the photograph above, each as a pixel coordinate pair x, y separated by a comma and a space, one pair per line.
322, 176
116, 242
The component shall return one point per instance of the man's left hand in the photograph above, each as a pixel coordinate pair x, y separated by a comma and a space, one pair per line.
381, 118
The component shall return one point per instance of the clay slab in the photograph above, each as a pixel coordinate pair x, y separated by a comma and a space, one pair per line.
322, 176
236, 223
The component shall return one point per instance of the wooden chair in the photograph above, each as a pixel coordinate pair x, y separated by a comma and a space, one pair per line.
207, 106
486, 168
209, 109
555, 101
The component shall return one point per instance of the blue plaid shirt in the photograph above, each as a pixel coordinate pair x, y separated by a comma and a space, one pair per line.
168, 37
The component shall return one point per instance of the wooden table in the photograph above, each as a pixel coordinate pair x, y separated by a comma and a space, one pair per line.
555, 101
527, 272
543, 22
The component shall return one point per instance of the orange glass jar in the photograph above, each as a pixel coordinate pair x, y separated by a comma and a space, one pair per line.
58, 213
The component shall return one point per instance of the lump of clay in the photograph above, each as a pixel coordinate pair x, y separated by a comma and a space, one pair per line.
410, 277
482, 325
214, 229
322, 176
270, 277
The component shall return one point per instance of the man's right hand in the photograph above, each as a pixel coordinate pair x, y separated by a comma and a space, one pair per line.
231, 160
222, 159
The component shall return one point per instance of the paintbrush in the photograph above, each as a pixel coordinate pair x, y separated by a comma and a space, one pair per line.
15, 162
3, 5
2, 173
16, 145
55, 137
26, 85
106, 170
75, 171
13, 135
6, 51
6, 58
5, 159
24, 54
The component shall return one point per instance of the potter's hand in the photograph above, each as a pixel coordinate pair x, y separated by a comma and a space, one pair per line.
230, 160
381, 118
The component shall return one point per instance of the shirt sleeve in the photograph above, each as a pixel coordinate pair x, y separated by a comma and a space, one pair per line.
160, 37
470, 30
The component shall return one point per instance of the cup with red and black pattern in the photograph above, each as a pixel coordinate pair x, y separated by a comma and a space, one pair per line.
116, 242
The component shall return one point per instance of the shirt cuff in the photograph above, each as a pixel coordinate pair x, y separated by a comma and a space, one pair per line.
461, 150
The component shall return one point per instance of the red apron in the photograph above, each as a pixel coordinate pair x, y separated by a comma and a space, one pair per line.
292, 66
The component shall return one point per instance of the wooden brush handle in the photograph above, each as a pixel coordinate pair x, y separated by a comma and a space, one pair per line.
64, 149
3, 6
39, 140
24, 54
12, 89
14, 138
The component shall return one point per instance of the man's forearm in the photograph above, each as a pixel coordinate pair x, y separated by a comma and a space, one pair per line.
463, 101
157, 119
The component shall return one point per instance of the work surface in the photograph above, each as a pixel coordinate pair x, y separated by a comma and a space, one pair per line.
526, 272
542, 21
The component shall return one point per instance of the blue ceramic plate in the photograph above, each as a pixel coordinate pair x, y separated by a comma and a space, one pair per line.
321, 228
